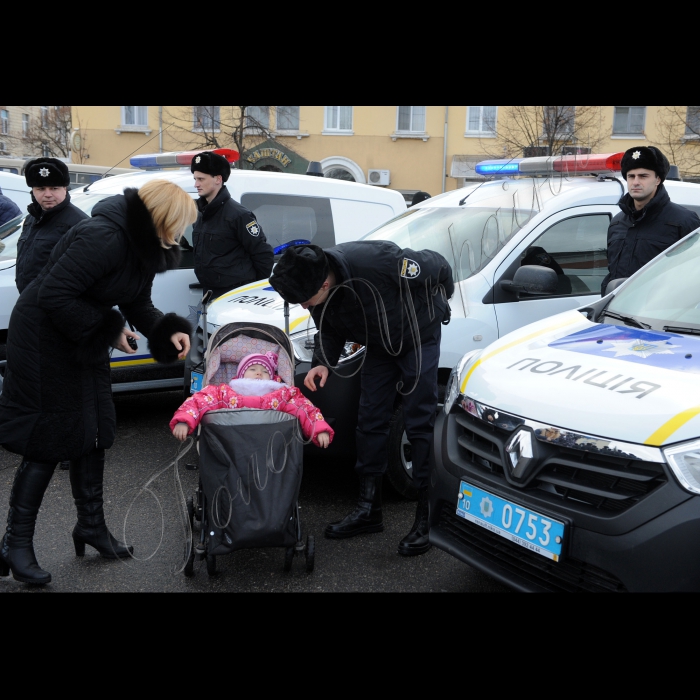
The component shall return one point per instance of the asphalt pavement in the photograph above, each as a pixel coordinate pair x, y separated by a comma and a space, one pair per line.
146, 481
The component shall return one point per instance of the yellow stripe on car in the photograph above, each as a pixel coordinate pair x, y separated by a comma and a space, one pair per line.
670, 426
257, 285
573, 319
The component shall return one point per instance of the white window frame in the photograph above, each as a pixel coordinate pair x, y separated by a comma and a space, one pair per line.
411, 133
629, 133
251, 129
44, 117
4, 122
562, 134
692, 116
482, 131
138, 128
334, 129
25, 125
216, 118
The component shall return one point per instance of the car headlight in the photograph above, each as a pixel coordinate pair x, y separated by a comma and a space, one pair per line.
303, 343
452, 390
685, 462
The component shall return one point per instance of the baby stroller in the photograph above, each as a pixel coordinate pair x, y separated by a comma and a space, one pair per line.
250, 461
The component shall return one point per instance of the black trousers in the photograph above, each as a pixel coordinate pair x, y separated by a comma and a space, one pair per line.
380, 374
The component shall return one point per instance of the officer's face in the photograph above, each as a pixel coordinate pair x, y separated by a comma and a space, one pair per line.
49, 197
319, 297
207, 185
642, 185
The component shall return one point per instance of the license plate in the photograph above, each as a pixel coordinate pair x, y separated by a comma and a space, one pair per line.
196, 382
520, 525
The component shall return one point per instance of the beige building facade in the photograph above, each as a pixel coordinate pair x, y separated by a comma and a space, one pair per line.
408, 148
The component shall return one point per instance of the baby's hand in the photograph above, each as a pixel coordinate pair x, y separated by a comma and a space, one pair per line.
324, 439
180, 431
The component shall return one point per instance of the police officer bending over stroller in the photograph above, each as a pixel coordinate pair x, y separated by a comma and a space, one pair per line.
394, 301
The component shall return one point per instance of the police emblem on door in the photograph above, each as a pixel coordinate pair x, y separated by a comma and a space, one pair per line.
410, 269
253, 228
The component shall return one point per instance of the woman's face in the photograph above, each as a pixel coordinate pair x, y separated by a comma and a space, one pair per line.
256, 372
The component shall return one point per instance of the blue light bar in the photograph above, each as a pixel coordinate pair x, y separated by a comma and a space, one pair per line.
494, 167
144, 161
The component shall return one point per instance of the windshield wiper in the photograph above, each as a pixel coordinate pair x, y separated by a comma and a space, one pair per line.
626, 319
680, 329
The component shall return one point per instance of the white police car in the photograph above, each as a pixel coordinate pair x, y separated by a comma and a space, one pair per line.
322, 210
551, 212
567, 457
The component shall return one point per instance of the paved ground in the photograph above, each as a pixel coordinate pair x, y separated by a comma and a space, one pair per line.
150, 520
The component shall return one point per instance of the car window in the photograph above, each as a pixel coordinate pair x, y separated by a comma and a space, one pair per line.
576, 250
285, 218
9, 235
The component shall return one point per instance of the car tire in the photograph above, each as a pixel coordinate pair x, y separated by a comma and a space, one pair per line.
399, 469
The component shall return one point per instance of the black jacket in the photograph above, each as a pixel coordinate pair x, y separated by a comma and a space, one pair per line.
230, 248
56, 400
41, 231
387, 287
636, 237
8, 209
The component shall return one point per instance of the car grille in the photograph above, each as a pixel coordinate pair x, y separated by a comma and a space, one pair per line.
605, 483
567, 575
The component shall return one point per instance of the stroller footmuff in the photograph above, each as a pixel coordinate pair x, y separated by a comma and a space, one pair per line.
250, 462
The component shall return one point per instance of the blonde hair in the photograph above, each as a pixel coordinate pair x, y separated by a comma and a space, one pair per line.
171, 208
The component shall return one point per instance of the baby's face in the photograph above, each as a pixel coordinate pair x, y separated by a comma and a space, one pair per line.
256, 372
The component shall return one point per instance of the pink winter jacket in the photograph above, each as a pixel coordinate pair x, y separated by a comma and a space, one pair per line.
287, 399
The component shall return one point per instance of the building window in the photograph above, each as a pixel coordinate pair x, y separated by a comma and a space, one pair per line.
287, 118
4, 121
481, 121
206, 119
135, 116
257, 118
338, 119
45, 150
44, 117
629, 121
692, 121
558, 122
25, 125
411, 119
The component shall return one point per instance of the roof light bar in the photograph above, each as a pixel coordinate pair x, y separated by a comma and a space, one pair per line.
176, 159
550, 165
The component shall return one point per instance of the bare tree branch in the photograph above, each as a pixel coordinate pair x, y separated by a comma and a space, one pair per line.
49, 133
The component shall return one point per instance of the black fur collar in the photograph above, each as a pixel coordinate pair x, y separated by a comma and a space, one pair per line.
142, 235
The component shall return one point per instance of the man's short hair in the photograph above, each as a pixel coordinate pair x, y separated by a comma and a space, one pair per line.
46, 172
647, 157
211, 163
300, 273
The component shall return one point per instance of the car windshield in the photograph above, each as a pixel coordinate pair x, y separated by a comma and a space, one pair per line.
468, 236
666, 294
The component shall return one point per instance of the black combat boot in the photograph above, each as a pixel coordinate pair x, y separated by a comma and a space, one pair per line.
367, 516
86, 476
416, 541
17, 549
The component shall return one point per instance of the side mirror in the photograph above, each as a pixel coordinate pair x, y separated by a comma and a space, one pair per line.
532, 279
614, 284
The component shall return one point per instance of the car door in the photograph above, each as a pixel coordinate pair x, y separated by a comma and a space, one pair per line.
574, 243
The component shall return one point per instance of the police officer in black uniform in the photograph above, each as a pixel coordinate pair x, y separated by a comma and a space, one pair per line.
230, 248
393, 301
649, 221
51, 214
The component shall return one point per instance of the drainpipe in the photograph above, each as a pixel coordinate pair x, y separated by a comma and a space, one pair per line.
444, 152
160, 129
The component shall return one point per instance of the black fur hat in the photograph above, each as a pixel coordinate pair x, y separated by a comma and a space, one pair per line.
300, 273
212, 164
46, 172
647, 157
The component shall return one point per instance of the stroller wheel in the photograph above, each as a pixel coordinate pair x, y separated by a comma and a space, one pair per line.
310, 553
288, 557
211, 564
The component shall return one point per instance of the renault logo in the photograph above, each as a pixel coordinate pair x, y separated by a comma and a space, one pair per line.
520, 453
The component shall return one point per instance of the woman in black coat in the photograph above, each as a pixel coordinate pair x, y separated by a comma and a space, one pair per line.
56, 402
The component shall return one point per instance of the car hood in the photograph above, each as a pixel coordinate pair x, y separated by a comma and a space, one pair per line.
609, 381
256, 303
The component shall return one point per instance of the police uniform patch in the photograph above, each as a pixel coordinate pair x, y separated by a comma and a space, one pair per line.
44, 172
253, 228
410, 268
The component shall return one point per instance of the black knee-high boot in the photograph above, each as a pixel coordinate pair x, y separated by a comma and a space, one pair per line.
86, 475
17, 548
416, 541
367, 516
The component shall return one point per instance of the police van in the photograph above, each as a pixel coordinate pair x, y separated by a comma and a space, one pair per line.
528, 215
288, 206
567, 456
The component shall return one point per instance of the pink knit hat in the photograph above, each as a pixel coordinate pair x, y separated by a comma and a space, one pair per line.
268, 361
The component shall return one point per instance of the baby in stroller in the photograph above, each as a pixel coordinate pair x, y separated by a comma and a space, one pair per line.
257, 385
